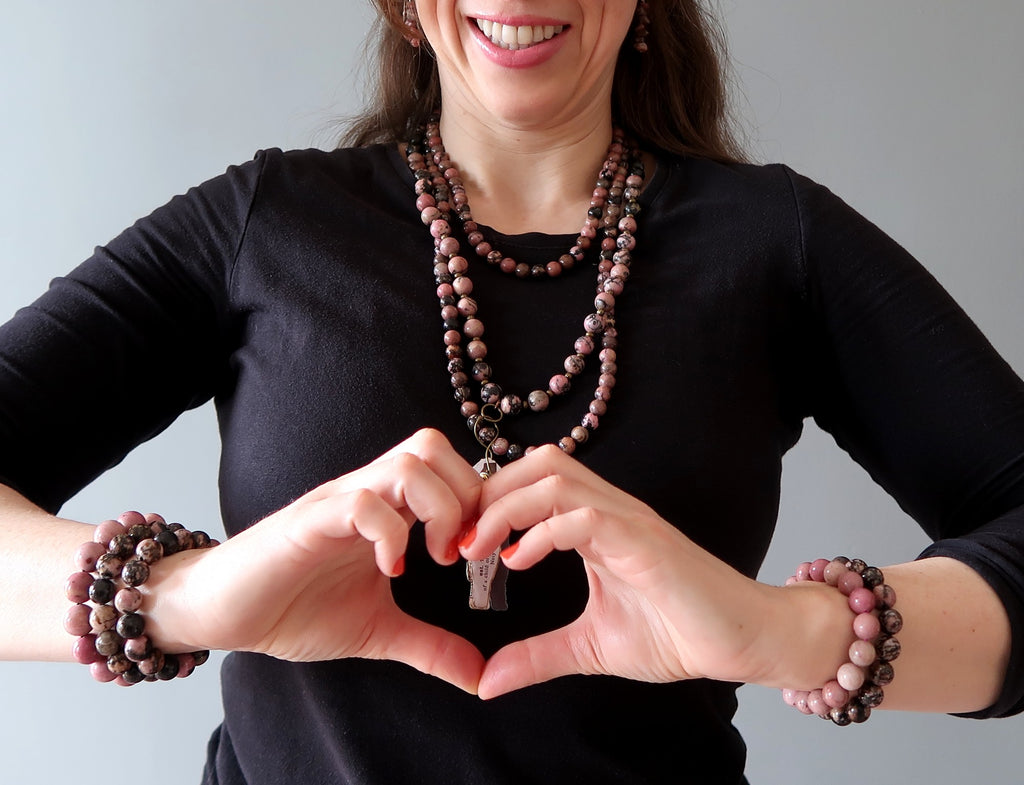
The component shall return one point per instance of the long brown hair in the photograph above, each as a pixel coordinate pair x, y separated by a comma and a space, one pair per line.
672, 98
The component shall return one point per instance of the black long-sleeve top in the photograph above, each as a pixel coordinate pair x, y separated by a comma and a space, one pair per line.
297, 291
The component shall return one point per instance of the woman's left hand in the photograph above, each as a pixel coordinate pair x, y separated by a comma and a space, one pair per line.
660, 608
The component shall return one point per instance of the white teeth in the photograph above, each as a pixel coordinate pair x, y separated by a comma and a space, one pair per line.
512, 37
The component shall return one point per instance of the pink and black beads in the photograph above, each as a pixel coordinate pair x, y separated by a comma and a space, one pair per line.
609, 229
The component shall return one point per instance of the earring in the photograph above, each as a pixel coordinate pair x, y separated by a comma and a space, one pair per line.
640, 22
412, 23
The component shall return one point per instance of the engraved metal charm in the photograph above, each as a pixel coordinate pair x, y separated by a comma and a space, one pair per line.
487, 576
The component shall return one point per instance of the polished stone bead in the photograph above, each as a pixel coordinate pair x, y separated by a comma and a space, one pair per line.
834, 571
511, 404
186, 664
122, 545
152, 664
515, 451
87, 554
888, 649
834, 694
98, 670
490, 393
840, 716
138, 649
891, 620
76, 620
133, 675
170, 668
131, 625
538, 400
862, 653
861, 600
848, 582
881, 673
858, 713
579, 434
108, 642
866, 626
201, 539
871, 696
140, 532
567, 445
117, 663
84, 650
184, 539
102, 618
872, 577
128, 599
109, 566
106, 531
102, 591
885, 596
850, 677
135, 572
77, 586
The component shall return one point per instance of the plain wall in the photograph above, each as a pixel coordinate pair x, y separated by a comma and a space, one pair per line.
909, 109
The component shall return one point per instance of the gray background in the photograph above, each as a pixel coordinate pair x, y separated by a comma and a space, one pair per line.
909, 109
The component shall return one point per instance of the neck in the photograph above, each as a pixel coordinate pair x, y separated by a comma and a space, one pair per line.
527, 180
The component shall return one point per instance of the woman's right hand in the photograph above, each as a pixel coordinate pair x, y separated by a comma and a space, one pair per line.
311, 581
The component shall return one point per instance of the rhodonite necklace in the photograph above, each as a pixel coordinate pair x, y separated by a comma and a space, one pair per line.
609, 229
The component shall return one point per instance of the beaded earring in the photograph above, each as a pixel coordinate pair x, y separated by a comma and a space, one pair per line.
411, 22
640, 22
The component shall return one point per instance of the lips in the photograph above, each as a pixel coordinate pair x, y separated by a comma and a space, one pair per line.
516, 37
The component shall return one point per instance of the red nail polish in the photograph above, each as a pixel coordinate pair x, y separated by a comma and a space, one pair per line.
399, 567
466, 541
510, 551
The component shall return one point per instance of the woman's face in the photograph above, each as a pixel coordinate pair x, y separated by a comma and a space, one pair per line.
527, 63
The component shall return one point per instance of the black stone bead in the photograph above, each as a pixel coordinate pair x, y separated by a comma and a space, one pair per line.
135, 572
481, 371
102, 591
122, 545
133, 675
118, 664
201, 656
463, 394
515, 452
450, 324
456, 365
594, 212
131, 625
486, 434
522, 270
871, 695
169, 541
840, 716
490, 392
200, 539
471, 421
538, 271
891, 620
858, 565
872, 577
170, 669
888, 649
881, 673
448, 299
858, 713
173, 527
444, 278
140, 532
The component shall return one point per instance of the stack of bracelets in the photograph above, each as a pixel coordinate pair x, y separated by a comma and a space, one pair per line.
110, 632
857, 687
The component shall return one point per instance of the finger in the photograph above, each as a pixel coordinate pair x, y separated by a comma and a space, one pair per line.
361, 513
535, 660
431, 650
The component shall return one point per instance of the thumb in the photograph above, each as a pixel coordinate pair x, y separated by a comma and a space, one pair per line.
561, 652
433, 651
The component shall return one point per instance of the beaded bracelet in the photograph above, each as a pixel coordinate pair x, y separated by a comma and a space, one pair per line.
857, 688
110, 632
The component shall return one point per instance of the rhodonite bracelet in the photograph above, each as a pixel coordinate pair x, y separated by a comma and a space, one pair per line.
105, 619
857, 687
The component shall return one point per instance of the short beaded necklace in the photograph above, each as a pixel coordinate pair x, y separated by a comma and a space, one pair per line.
611, 218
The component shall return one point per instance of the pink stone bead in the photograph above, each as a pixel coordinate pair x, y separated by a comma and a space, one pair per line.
600, 408
608, 356
885, 595
834, 571
850, 677
76, 620
444, 290
803, 571
457, 265
473, 328
106, 531
128, 599
567, 444
429, 214
849, 581
452, 338
469, 408
817, 570
816, 703
84, 650
462, 286
862, 653
449, 312
594, 323
861, 600
449, 246
508, 265
866, 626
559, 384
627, 224
131, 518
483, 248
606, 380
603, 393
76, 588
423, 201
476, 350
604, 301
101, 673
801, 704
613, 286
834, 695
87, 554
440, 228
500, 446
791, 580
584, 345
789, 697
102, 618
538, 400
590, 421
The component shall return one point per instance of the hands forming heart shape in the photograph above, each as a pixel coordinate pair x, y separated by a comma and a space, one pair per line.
311, 582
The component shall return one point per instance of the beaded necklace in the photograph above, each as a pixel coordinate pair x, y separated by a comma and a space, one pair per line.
609, 227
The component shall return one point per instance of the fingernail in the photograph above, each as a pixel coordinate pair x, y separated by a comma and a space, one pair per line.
452, 552
399, 567
510, 551
466, 541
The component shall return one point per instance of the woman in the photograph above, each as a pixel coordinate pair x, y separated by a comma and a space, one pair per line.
291, 345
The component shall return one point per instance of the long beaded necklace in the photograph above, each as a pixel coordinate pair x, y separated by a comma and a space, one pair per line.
611, 219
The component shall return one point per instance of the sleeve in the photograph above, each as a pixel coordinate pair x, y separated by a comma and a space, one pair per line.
112, 353
909, 386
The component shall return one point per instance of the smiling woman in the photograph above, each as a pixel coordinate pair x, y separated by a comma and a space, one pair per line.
636, 271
